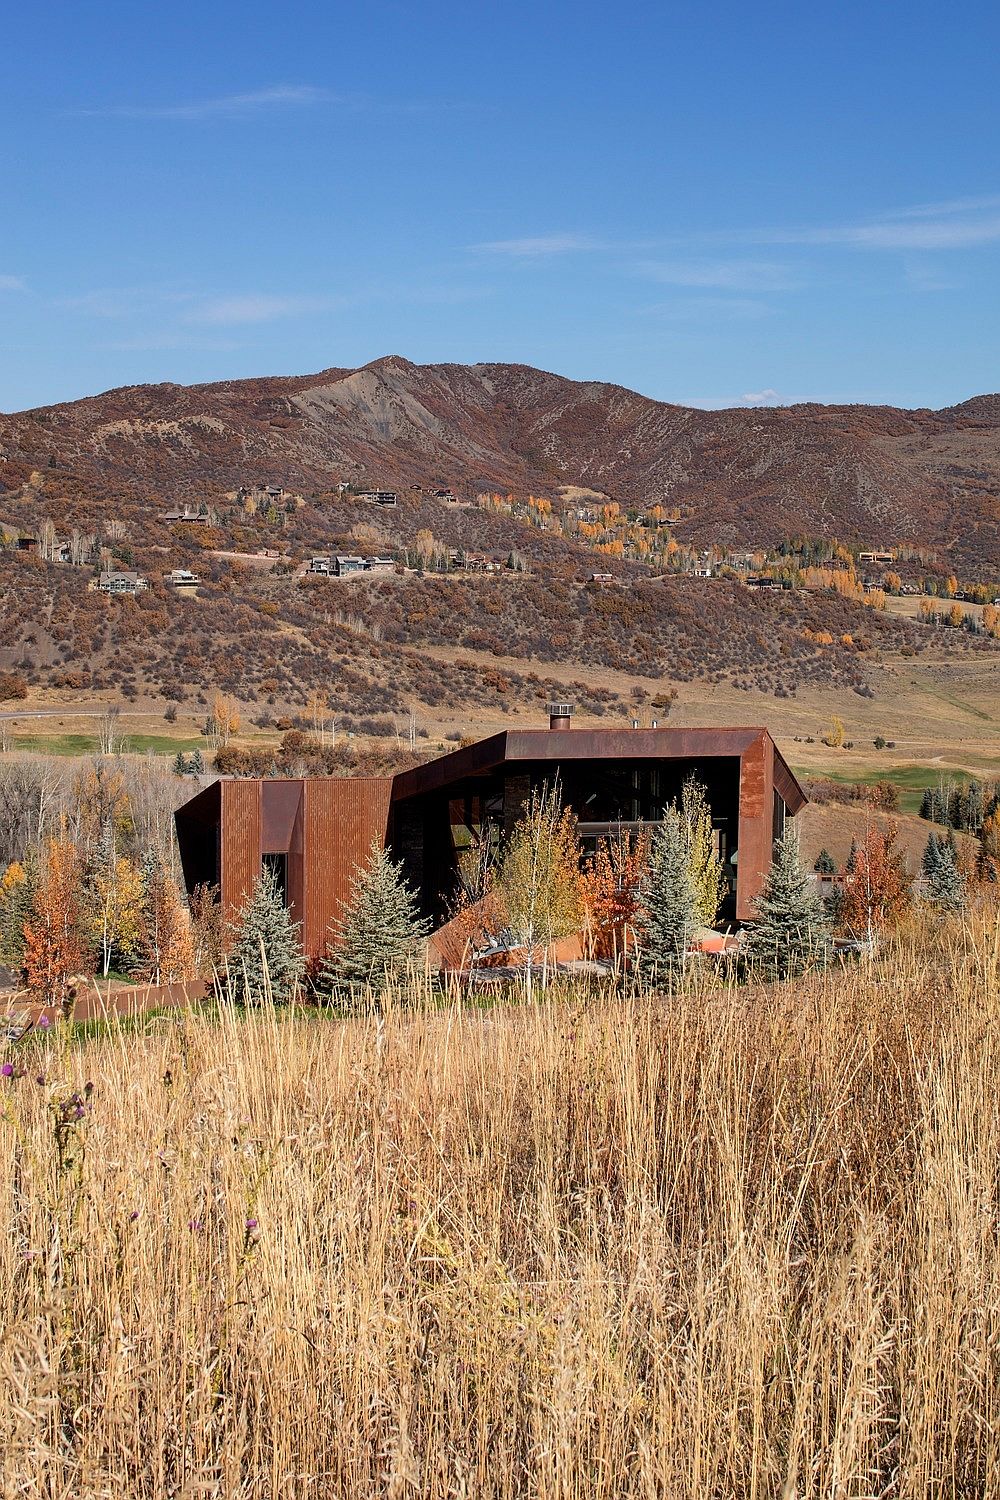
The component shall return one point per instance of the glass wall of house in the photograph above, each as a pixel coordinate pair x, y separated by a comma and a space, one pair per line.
606, 796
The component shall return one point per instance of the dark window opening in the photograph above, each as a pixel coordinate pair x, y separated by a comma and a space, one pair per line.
278, 865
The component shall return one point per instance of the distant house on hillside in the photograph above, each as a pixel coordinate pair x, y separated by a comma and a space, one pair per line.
602, 579
182, 578
876, 559
344, 564
121, 582
379, 497
764, 585
187, 515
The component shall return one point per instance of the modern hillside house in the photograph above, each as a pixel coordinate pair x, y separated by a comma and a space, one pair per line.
315, 833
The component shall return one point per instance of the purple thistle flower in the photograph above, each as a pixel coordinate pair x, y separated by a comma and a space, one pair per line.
251, 1223
133, 1216
44, 1022
7, 1071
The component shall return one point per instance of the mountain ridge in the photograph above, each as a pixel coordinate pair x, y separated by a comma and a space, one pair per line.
876, 474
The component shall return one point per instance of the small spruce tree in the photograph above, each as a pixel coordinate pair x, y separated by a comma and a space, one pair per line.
791, 930
196, 765
944, 883
180, 764
266, 952
668, 905
380, 931
825, 863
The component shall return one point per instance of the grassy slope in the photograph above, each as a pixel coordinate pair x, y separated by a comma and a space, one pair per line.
740, 1243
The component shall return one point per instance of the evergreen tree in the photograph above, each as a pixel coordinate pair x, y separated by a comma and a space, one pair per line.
668, 906
180, 764
825, 863
196, 765
380, 931
790, 931
931, 856
266, 952
933, 805
943, 881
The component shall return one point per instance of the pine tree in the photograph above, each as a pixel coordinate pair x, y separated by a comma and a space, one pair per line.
266, 953
944, 883
380, 931
825, 863
791, 930
196, 765
180, 764
931, 855
668, 910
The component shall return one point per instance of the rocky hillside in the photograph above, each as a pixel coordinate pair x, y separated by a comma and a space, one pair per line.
874, 475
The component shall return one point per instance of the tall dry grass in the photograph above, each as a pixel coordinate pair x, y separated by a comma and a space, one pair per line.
735, 1243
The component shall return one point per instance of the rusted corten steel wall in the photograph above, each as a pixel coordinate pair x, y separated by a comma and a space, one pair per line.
756, 819
340, 819
239, 845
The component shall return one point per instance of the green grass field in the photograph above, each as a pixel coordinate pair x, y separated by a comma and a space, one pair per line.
911, 780
89, 744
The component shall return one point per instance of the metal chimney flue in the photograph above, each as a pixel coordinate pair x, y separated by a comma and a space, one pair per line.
560, 715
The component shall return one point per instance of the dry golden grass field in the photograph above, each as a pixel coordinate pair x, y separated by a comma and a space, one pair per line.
734, 1242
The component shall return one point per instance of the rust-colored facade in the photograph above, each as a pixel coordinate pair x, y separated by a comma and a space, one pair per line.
316, 833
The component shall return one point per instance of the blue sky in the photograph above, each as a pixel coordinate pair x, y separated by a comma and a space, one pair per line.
711, 203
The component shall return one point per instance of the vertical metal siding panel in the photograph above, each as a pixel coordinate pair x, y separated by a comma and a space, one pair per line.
240, 847
341, 818
756, 794
296, 864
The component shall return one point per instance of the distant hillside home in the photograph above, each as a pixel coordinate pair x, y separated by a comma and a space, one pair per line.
188, 515
343, 564
876, 559
181, 578
764, 585
379, 497
122, 582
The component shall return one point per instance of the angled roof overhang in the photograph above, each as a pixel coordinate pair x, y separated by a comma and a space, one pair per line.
514, 746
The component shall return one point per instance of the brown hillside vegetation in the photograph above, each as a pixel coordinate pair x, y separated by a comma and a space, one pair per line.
872, 474
735, 1242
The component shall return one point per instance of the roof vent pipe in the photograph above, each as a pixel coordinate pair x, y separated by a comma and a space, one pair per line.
560, 715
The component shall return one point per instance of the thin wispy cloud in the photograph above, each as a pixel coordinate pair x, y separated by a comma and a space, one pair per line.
258, 308
749, 399
958, 225
541, 246
721, 275
12, 284
223, 106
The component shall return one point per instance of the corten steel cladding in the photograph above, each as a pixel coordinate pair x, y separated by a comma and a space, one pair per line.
324, 828
340, 819
239, 845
